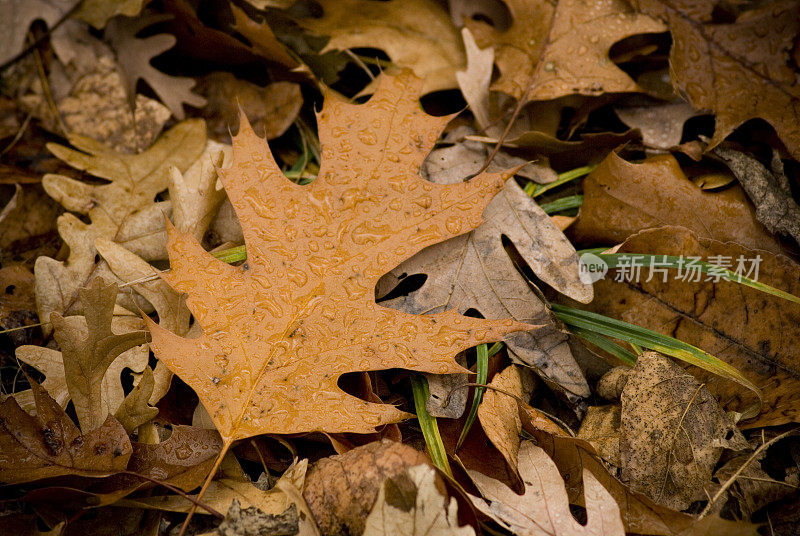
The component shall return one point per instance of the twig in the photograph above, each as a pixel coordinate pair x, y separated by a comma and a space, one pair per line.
517, 110
728, 483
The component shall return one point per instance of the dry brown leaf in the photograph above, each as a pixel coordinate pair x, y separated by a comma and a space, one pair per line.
88, 349
672, 433
48, 444
119, 210
475, 80
17, 16
315, 254
562, 49
718, 317
770, 191
271, 109
133, 60
341, 489
600, 427
262, 39
27, 217
474, 271
96, 108
544, 508
498, 413
753, 488
415, 34
134, 410
97, 12
409, 504
661, 124
253, 522
221, 493
621, 198
739, 70
16, 294
640, 515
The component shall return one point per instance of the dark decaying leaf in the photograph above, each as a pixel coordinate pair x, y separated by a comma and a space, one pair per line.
48, 444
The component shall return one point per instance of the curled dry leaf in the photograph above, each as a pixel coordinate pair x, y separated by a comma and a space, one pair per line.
498, 413
415, 34
89, 367
118, 210
314, 255
566, 51
409, 504
134, 410
341, 490
98, 12
769, 190
221, 493
544, 508
474, 81
621, 198
717, 317
600, 427
574, 456
474, 271
672, 433
740, 70
48, 444
271, 109
133, 59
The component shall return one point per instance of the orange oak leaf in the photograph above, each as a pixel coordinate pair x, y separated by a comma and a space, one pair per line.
279, 330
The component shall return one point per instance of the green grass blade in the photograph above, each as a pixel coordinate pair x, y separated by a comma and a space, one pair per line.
606, 344
483, 373
231, 255
564, 203
533, 189
430, 428
615, 260
653, 340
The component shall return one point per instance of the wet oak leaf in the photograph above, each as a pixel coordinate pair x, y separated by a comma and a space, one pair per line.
279, 330
48, 444
565, 52
739, 70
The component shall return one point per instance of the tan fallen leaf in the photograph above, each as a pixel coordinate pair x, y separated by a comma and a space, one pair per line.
415, 34
133, 58
474, 81
544, 508
640, 515
565, 51
17, 16
134, 410
271, 109
672, 433
600, 427
410, 504
98, 12
48, 444
661, 124
88, 349
498, 412
116, 209
622, 198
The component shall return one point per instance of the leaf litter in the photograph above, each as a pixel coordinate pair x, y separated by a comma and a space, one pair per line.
423, 192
